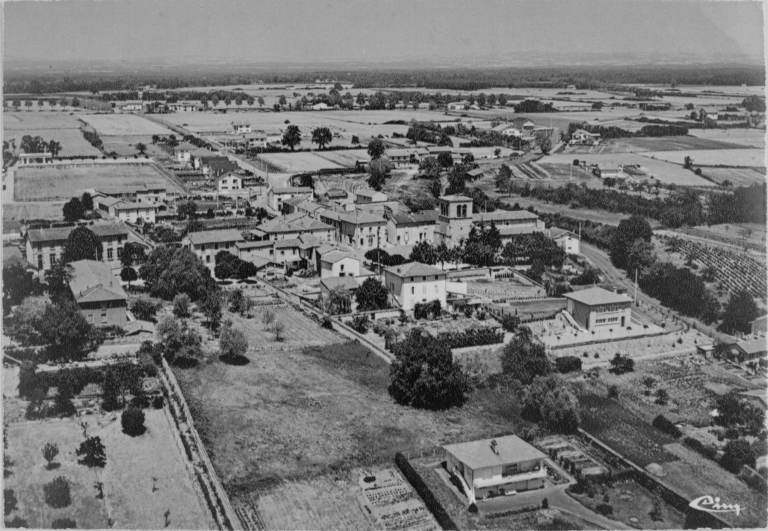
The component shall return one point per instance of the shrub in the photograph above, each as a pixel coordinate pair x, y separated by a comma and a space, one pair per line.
696, 445
472, 508
132, 421
158, 402
16, 523
510, 322
736, 455
423, 310
621, 364
181, 306
144, 308
545, 503
413, 477
57, 493
50, 451
613, 392
360, 324
327, 323
568, 364
662, 423
10, 503
731, 433
63, 523
92, 452
471, 338
604, 509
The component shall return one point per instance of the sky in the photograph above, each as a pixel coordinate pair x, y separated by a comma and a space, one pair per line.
301, 31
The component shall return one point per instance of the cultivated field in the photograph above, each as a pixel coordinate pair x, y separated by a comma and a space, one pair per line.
716, 157
300, 331
124, 124
665, 172
132, 463
51, 210
747, 137
736, 176
21, 121
62, 182
125, 146
63, 128
676, 143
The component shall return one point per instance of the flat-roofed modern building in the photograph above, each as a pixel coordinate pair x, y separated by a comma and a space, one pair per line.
497, 467
597, 308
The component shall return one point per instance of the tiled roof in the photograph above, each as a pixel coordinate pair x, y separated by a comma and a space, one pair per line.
426, 216
367, 192
62, 233
334, 256
214, 236
503, 215
753, 346
455, 198
557, 232
347, 283
292, 190
135, 206
414, 269
479, 454
596, 296
93, 281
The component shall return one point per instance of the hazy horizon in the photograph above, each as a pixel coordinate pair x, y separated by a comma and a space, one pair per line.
428, 32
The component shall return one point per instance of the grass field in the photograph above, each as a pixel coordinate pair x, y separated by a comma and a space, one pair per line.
666, 172
65, 181
72, 142
125, 146
737, 176
131, 464
124, 124
22, 121
300, 414
747, 137
715, 157
51, 210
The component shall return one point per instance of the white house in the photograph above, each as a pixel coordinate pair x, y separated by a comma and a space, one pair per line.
338, 263
458, 106
185, 106
241, 127
414, 283
567, 240
133, 211
205, 244
597, 308
496, 467
408, 229
369, 196
184, 152
276, 196
321, 107
582, 137
228, 183
605, 171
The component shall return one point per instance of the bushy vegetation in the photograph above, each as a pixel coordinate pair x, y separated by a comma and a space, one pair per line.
524, 358
548, 400
667, 426
424, 374
471, 337
57, 493
565, 364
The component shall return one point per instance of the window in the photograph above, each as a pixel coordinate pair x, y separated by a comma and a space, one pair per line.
341, 268
413, 290
109, 254
361, 241
53, 259
202, 247
398, 239
208, 259
215, 246
425, 278
90, 318
119, 252
39, 261
510, 470
103, 316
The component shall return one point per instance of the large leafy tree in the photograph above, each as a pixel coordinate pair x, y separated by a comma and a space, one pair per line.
169, 271
424, 252
378, 171
292, 137
549, 401
737, 454
82, 244
73, 210
627, 233
87, 201
372, 295
186, 210
424, 374
133, 254
376, 148
524, 358
322, 136
233, 343
67, 332
739, 312
178, 342
429, 167
18, 284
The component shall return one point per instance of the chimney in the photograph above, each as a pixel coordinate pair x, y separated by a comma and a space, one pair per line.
493, 447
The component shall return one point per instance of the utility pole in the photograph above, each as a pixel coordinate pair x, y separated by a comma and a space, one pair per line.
635, 286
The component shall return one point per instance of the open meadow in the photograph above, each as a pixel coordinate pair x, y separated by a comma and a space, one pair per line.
64, 181
714, 157
665, 172
316, 160
337, 395
130, 500
124, 124
63, 128
747, 137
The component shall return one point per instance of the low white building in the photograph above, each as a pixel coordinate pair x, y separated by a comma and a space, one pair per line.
184, 152
338, 263
133, 211
597, 309
458, 106
276, 196
205, 244
229, 183
241, 127
582, 137
567, 240
413, 283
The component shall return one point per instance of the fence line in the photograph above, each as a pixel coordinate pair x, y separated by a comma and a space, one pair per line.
223, 513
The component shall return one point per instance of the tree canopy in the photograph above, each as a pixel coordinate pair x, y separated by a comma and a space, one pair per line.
292, 137
169, 271
424, 374
376, 148
372, 295
524, 358
739, 312
82, 244
322, 137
